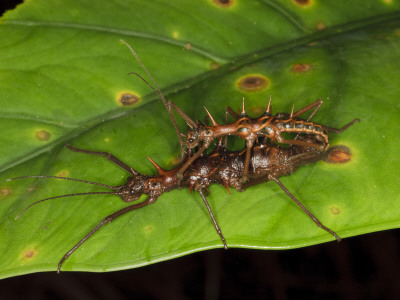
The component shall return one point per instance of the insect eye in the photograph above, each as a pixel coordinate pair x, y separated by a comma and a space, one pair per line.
191, 140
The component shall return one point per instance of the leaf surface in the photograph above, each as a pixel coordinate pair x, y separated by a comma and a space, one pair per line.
63, 71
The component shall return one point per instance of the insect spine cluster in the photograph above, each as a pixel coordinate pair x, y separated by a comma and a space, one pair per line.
263, 158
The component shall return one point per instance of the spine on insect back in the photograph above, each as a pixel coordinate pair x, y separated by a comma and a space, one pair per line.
223, 167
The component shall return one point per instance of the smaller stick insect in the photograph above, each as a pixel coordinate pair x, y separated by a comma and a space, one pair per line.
266, 126
201, 136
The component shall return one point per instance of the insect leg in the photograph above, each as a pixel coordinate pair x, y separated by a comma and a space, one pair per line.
107, 155
106, 220
317, 104
230, 111
343, 128
188, 120
213, 219
316, 221
195, 156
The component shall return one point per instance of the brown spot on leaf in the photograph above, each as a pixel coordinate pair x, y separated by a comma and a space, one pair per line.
335, 210
321, 26
29, 253
338, 155
252, 83
127, 99
148, 228
214, 65
224, 3
188, 46
43, 135
5, 192
62, 173
302, 3
301, 68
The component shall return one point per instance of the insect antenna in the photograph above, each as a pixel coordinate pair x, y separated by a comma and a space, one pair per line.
66, 195
158, 92
64, 178
62, 196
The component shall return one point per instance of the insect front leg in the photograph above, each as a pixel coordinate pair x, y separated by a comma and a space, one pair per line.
107, 155
108, 219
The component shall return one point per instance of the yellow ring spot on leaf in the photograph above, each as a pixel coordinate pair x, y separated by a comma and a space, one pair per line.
303, 3
5, 192
147, 229
175, 34
301, 68
338, 155
224, 3
29, 253
252, 83
43, 135
214, 65
62, 173
321, 26
335, 210
126, 99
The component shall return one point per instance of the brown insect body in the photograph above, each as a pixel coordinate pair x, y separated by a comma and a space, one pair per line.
249, 129
223, 167
266, 126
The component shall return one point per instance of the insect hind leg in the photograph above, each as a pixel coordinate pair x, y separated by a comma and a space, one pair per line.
107, 155
316, 221
340, 130
213, 219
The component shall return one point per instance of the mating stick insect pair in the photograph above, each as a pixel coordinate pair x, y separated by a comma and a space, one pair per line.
261, 160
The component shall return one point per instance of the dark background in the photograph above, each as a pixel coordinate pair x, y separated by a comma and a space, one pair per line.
364, 267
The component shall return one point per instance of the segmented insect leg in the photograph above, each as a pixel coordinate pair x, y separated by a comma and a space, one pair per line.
213, 219
107, 155
195, 156
343, 128
249, 147
316, 221
230, 111
189, 121
106, 220
317, 104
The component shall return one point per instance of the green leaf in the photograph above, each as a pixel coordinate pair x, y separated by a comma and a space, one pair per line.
63, 71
